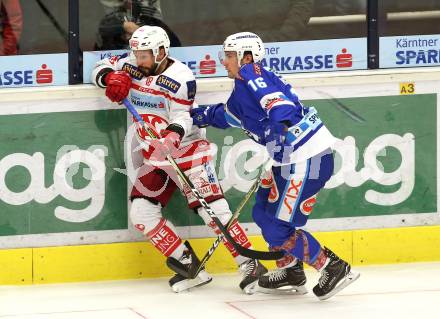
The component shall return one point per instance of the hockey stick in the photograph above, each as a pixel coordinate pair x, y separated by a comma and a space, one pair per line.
254, 254
192, 273
240, 206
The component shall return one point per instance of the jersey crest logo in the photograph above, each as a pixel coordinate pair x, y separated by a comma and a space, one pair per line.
134, 72
168, 83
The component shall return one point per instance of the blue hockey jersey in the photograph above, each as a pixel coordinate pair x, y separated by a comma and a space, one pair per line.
260, 99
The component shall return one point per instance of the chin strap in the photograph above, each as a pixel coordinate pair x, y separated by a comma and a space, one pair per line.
158, 63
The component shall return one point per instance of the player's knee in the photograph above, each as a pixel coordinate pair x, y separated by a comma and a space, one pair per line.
221, 210
275, 231
144, 214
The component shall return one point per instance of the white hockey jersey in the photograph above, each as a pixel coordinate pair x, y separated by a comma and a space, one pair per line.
162, 100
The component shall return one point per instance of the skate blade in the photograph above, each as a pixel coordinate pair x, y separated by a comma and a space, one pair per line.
288, 290
349, 279
202, 279
251, 288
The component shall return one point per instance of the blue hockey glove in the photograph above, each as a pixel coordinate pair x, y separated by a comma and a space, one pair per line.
200, 115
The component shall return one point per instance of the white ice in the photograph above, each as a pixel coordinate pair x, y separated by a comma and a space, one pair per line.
391, 291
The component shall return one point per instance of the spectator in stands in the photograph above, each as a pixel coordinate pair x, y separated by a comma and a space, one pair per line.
275, 21
11, 25
123, 17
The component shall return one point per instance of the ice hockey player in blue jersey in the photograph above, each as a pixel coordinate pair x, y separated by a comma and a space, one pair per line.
270, 112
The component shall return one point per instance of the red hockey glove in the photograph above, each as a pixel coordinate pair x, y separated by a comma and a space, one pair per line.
118, 85
170, 139
166, 145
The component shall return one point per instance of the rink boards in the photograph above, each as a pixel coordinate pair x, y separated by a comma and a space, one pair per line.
141, 260
64, 188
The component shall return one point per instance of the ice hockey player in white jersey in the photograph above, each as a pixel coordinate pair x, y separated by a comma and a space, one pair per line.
162, 89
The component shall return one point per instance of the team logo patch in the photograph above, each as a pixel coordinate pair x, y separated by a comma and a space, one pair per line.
134, 72
273, 194
266, 180
154, 122
306, 206
140, 227
115, 58
257, 69
192, 88
168, 83
205, 180
266, 183
271, 102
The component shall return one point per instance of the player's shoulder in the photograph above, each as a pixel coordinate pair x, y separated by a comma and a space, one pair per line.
178, 79
251, 70
115, 61
122, 59
180, 71
127, 64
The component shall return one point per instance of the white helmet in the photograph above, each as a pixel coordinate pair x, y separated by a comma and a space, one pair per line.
245, 41
150, 38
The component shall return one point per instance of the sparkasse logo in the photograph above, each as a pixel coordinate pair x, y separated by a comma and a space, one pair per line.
43, 75
344, 59
205, 66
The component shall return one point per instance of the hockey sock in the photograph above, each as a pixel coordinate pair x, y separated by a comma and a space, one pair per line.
303, 246
147, 218
287, 261
321, 261
166, 240
239, 235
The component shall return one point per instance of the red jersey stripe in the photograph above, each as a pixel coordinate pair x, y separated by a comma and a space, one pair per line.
155, 92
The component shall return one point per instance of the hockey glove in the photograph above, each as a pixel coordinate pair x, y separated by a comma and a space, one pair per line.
118, 85
200, 115
166, 145
275, 136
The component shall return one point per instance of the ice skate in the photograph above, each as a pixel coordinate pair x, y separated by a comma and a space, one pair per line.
187, 265
252, 270
184, 265
334, 277
179, 283
288, 281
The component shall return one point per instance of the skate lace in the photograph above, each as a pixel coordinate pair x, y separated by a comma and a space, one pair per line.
277, 275
248, 268
324, 278
185, 259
